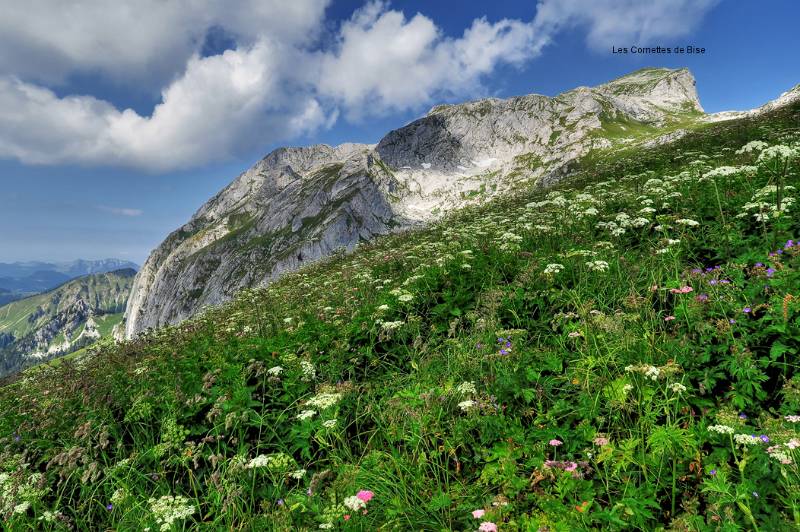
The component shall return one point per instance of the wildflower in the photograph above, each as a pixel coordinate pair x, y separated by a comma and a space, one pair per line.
280, 502
300, 473
600, 441
652, 372
487, 526
574, 334
792, 419
329, 424
702, 298
466, 388
405, 298
309, 373
721, 429
275, 371
597, 266
747, 310
326, 526
682, 290
169, 509
552, 269
677, 387
306, 414
109, 507
324, 400
669, 318
365, 495
742, 415
687, 222
764, 438
555, 442
477, 514
627, 388
355, 503
287, 320
466, 405
746, 439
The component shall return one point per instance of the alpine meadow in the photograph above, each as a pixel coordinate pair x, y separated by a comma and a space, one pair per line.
558, 312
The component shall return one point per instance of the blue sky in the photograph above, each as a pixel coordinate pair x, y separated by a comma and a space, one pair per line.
88, 169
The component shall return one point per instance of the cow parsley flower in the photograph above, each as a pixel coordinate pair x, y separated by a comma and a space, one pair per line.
324, 400
677, 387
169, 509
597, 265
306, 414
466, 405
721, 429
687, 222
552, 269
275, 371
467, 388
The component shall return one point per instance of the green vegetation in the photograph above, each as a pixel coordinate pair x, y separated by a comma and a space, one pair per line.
58, 316
619, 352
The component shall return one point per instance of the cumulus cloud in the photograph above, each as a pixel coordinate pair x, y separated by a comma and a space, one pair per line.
146, 41
277, 84
385, 62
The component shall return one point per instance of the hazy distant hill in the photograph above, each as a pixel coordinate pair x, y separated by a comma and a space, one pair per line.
23, 279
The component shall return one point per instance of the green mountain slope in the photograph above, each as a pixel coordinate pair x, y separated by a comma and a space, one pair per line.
618, 352
62, 320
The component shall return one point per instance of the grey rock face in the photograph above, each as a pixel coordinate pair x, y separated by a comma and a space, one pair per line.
300, 204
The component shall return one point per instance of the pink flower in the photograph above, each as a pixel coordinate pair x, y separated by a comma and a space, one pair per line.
365, 495
487, 526
477, 514
600, 440
346, 517
681, 290
556, 443
669, 318
572, 466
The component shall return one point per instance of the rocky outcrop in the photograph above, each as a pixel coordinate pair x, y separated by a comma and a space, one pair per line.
300, 204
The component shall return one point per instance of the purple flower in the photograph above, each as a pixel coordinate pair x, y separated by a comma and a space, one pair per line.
770, 272
747, 310
764, 438
281, 502
759, 264
697, 270
712, 472
503, 352
780, 252
702, 297
479, 345
713, 282
731, 321
789, 243
109, 507
16, 437
742, 415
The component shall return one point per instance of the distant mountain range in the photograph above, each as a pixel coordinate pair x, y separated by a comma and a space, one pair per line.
61, 321
23, 279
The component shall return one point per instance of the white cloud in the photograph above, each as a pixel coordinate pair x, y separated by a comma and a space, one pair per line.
147, 41
121, 211
622, 22
276, 85
385, 62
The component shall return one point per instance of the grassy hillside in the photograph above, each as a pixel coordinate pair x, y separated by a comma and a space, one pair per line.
616, 353
57, 319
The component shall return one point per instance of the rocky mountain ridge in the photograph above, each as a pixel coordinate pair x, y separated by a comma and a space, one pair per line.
300, 204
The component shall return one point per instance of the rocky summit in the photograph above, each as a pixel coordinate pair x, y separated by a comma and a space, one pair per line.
298, 205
